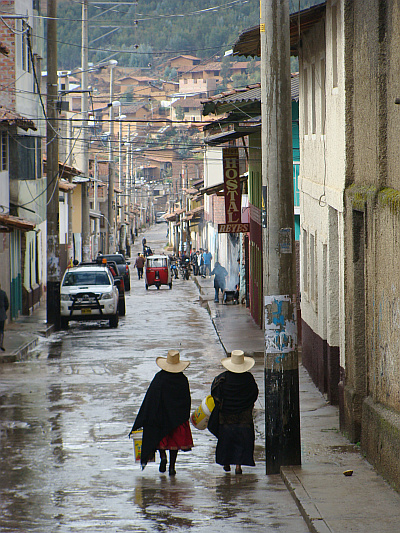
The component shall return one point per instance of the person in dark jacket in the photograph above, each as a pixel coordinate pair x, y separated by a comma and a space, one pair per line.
139, 264
235, 392
164, 413
219, 273
3, 316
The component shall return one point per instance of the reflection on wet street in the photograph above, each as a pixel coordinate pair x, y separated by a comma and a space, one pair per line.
66, 463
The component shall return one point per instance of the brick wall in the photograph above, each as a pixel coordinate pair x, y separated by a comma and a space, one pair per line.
7, 63
219, 210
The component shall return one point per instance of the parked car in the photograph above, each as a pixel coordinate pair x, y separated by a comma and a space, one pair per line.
160, 217
88, 292
123, 267
119, 282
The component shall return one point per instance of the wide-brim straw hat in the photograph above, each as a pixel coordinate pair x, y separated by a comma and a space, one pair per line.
238, 362
172, 362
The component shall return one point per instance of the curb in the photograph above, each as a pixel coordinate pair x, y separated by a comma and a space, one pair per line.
22, 352
315, 522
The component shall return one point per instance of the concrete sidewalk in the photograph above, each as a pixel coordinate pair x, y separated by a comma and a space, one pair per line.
328, 500
23, 333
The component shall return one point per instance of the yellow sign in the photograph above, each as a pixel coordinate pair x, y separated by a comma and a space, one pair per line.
262, 28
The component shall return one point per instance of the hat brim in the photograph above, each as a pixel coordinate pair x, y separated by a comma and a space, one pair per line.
178, 367
247, 364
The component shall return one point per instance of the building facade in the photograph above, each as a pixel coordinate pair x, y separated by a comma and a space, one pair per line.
22, 153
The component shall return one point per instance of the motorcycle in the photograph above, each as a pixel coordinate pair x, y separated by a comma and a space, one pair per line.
185, 268
174, 270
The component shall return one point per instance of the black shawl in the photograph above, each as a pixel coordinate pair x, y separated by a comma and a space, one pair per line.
165, 406
234, 392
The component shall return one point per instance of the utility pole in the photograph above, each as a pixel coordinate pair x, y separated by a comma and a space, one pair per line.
110, 232
282, 410
85, 160
187, 209
52, 216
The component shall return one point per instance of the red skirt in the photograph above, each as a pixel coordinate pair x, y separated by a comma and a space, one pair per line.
179, 439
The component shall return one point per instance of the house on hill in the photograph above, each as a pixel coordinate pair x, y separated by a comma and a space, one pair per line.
201, 79
183, 62
191, 107
139, 85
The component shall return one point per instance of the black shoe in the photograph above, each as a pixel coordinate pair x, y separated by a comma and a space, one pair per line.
227, 468
172, 471
163, 466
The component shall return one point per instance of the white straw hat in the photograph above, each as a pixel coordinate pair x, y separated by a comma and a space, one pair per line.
171, 363
238, 362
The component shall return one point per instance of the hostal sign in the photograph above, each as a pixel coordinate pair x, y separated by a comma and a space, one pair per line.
233, 196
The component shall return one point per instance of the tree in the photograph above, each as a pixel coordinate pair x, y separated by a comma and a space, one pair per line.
180, 113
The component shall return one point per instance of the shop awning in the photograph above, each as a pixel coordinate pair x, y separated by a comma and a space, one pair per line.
11, 118
219, 189
193, 213
66, 186
9, 222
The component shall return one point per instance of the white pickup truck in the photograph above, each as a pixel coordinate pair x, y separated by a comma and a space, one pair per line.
88, 293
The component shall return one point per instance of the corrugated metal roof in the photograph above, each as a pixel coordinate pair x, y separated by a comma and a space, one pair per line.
248, 43
248, 94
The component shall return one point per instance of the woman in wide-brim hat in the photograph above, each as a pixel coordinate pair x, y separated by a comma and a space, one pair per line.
235, 392
164, 413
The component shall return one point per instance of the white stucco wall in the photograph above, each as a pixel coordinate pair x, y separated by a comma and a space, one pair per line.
322, 179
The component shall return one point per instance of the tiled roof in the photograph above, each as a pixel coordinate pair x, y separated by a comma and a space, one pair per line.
11, 118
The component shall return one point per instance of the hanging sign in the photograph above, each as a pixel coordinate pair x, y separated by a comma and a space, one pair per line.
233, 196
233, 228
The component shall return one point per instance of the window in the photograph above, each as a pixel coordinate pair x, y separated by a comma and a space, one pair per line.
323, 97
334, 45
305, 96
25, 60
25, 157
313, 102
3, 151
305, 262
312, 267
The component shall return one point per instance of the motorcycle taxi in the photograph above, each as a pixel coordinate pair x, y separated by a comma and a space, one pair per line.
157, 271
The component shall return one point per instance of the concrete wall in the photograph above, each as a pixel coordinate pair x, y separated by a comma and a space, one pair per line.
372, 222
322, 180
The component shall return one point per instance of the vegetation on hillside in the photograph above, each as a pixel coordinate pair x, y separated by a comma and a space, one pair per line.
154, 30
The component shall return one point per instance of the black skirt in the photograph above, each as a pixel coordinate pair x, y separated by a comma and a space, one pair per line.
235, 445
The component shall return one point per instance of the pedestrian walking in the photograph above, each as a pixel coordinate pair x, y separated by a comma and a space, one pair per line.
200, 262
193, 260
235, 392
139, 264
4, 305
219, 273
207, 256
164, 413
144, 242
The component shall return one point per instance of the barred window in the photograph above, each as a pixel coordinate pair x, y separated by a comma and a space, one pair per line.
3, 151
